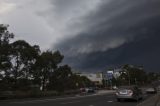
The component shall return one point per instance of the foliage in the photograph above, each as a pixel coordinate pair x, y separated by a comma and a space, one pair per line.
24, 67
45, 66
131, 75
5, 37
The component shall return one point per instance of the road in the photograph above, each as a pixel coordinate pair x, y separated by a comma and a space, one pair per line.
89, 100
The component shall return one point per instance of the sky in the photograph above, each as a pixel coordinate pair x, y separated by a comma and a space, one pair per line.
93, 35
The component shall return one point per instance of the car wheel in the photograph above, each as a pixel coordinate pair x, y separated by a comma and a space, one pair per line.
137, 98
141, 98
118, 100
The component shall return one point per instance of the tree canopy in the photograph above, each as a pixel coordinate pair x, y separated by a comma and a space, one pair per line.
23, 65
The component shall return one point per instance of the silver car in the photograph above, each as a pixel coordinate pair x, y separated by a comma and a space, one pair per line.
151, 90
129, 92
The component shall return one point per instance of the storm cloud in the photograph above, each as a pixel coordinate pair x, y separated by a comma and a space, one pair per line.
92, 34
118, 32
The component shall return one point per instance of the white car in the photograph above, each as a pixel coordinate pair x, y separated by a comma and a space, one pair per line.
129, 92
151, 90
114, 88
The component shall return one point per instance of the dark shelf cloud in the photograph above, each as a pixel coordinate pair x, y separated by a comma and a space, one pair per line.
119, 32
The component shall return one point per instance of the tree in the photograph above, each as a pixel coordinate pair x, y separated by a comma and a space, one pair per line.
23, 57
5, 37
61, 79
45, 65
22, 65
151, 77
133, 75
5, 63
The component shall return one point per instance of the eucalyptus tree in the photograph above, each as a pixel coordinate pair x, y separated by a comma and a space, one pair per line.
5, 50
61, 79
5, 37
45, 65
23, 57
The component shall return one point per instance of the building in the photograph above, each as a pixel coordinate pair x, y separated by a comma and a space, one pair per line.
96, 78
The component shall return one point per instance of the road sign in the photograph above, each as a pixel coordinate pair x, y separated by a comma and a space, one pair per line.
109, 75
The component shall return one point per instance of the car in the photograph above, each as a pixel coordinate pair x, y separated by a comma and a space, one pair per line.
90, 90
87, 90
158, 88
82, 90
151, 90
129, 92
114, 88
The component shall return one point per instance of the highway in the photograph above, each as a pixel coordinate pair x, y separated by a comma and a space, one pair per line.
88, 100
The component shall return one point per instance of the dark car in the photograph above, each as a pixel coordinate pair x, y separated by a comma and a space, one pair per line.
87, 90
129, 92
90, 90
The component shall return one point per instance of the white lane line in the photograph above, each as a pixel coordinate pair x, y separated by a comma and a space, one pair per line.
109, 101
70, 102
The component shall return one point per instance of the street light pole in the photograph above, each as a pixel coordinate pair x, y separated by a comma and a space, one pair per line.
128, 74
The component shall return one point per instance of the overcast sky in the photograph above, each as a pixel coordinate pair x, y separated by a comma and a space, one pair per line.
92, 34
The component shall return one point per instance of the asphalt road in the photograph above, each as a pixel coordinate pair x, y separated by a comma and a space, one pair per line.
89, 100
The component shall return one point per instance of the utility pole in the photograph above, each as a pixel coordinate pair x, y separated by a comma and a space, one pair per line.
104, 78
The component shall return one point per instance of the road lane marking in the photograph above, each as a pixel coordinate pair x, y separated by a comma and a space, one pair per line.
109, 101
70, 102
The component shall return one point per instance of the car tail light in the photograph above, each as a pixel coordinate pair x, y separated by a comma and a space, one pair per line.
117, 92
130, 92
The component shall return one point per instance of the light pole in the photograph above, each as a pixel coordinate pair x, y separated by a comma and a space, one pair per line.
128, 74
